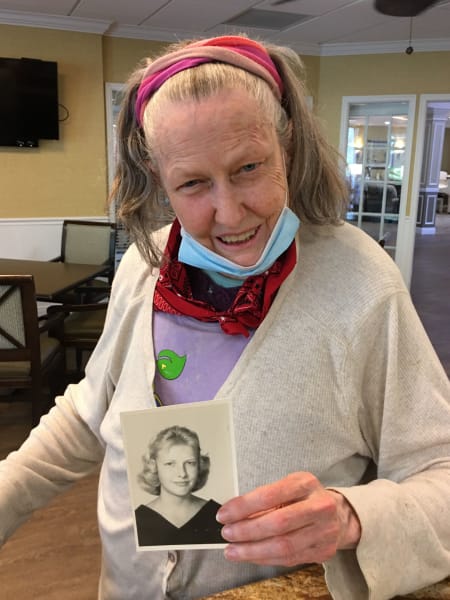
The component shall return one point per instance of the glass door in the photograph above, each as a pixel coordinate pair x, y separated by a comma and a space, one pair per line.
376, 140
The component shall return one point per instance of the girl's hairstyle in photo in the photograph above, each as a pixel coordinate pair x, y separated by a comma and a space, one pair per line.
171, 436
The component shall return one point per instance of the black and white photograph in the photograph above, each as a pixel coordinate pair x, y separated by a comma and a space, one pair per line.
181, 469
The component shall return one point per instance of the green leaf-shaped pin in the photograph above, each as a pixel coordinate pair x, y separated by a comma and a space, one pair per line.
170, 364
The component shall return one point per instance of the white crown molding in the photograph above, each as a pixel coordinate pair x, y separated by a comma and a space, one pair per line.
300, 47
166, 35
26, 19
341, 49
108, 28
337, 49
140, 33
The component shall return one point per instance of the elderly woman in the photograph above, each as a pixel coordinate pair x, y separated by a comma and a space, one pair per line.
341, 407
174, 468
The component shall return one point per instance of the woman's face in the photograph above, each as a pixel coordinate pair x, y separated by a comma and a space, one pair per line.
178, 467
222, 167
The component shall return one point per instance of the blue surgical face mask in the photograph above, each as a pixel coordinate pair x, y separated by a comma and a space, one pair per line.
193, 253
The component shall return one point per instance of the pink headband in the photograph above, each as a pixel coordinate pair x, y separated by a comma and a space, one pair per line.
234, 50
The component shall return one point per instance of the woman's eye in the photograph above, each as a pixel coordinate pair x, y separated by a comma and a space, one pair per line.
249, 167
190, 184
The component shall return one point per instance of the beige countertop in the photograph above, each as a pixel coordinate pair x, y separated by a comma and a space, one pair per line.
309, 584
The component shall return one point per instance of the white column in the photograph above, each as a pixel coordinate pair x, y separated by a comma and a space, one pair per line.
431, 165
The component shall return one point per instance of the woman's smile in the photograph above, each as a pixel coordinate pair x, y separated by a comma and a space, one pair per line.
238, 238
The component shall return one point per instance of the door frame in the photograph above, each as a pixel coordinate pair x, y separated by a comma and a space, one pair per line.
410, 238
110, 90
404, 217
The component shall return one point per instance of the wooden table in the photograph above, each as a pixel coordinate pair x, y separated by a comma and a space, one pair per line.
308, 584
52, 278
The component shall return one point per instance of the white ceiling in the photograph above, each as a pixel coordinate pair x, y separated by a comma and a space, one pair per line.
327, 27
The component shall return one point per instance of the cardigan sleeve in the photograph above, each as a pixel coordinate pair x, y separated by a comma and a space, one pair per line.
58, 452
404, 397
67, 444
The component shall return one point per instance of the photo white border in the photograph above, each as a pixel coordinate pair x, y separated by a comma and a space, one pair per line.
212, 421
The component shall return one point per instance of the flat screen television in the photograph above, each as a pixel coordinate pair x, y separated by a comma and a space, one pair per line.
28, 101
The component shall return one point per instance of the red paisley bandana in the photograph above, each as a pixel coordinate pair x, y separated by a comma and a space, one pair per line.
173, 293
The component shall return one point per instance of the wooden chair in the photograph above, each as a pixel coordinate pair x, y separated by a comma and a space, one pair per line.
78, 327
29, 358
90, 243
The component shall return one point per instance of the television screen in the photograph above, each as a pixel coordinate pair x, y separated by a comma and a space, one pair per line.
28, 101
9, 101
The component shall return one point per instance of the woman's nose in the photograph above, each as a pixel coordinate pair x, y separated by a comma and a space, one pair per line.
228, 206
181, 471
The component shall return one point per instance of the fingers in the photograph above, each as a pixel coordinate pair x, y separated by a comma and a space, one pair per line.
265, 524
281, 520
289, 522
297, 547
292, 488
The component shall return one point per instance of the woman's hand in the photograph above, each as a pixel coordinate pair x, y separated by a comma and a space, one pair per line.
289, 522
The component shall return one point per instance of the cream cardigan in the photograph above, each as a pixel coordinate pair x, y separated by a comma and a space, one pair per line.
340, 375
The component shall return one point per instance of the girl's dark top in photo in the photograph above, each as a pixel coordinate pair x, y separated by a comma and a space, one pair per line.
154, 530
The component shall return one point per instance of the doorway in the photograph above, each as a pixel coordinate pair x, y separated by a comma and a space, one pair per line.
430, 254
376, 141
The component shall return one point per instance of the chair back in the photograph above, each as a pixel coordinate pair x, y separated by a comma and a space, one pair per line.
29, 358
77, 327
87, 242
20, 357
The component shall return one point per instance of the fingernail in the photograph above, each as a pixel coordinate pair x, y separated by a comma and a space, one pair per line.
226, 532
231, 553
221, 515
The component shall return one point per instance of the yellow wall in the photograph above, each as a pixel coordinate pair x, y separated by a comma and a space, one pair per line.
68, 176
312, 67
121, 56
364, 75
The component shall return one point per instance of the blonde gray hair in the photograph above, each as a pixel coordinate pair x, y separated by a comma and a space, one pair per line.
317, 189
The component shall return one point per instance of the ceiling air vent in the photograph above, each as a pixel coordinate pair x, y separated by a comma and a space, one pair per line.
267, 19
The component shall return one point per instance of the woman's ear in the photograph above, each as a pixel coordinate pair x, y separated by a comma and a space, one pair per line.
152, 466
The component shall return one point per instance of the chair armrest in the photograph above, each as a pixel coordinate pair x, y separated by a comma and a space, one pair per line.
102, 286
56, 315
44, 324
69, 308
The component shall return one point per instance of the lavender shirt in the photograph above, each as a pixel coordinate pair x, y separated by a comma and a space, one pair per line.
193, 358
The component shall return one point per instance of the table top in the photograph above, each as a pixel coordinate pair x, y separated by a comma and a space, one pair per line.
309, 583
52, 278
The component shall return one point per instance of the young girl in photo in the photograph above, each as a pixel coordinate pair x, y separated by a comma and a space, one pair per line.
174, 468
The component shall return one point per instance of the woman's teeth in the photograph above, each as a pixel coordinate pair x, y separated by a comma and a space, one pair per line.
238, 238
